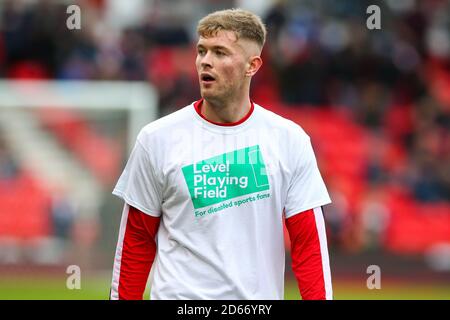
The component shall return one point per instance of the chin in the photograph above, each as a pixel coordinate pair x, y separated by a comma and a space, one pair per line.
212, 97
208, 95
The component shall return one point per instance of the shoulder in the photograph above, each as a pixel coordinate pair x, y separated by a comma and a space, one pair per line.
162, 127
276, 123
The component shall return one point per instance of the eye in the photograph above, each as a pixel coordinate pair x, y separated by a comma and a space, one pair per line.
220, 53
201, 51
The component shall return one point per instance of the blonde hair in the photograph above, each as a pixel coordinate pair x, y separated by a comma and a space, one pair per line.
244, 24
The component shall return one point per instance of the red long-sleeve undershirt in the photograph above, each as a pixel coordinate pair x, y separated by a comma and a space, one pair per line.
309, 254
135, 255
137, 249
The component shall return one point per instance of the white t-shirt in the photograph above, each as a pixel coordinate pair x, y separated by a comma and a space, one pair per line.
221, 192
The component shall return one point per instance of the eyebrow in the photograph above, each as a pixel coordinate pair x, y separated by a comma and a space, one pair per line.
200, 46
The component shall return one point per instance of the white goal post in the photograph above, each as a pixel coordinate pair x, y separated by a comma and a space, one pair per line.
56, 167
138, 98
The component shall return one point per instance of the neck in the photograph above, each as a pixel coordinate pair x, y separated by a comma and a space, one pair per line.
226, 111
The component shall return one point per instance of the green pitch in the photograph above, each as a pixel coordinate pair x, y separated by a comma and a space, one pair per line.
97, 288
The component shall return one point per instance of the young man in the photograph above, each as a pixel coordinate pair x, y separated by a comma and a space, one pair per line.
206, 188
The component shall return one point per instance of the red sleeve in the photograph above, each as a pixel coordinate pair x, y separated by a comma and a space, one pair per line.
309, 252
135, 253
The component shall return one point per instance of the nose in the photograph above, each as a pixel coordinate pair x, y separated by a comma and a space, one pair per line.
206, 60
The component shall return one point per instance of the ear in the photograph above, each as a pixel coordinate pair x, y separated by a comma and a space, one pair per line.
253, 65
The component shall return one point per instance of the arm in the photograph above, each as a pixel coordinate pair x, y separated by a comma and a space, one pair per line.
309, 251
135, 253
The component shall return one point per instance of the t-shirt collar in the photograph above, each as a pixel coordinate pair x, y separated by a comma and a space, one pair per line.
198, 106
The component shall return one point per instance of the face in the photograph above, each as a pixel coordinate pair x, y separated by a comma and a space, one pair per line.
224, 65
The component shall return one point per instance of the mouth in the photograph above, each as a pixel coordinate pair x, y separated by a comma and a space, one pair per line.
207, 78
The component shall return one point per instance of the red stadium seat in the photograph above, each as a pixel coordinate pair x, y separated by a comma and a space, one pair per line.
24, 209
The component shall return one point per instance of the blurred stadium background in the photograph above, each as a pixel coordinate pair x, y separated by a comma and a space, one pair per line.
375, 102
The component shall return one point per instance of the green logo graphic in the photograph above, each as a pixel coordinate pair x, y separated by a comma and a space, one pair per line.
226, 176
